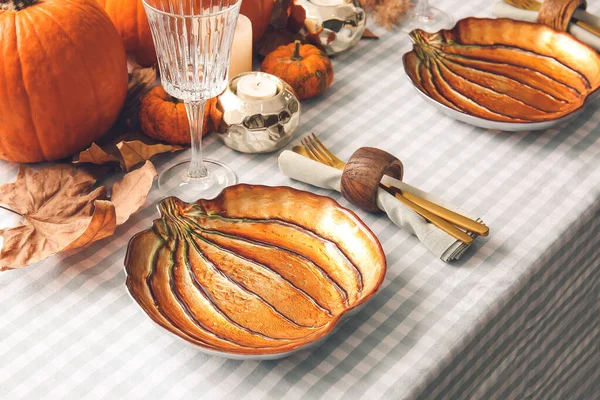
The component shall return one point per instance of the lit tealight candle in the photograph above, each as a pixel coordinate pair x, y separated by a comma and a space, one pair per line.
256, 87
241, 49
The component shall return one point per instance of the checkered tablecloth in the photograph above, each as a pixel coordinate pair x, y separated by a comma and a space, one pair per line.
517, 317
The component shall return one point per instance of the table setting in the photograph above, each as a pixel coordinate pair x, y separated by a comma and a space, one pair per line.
300, 198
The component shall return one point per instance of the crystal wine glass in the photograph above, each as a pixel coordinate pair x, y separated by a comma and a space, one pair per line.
430, 19
193, 41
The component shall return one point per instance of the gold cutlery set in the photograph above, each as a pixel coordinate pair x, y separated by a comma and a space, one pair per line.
445, 219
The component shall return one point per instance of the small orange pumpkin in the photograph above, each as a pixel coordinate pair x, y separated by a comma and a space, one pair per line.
306, 68
129, 17
163, 117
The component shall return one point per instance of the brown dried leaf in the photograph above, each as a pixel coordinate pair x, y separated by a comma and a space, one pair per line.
95, 155
60, 211
102, 224
128, 149
130, 193
136, 151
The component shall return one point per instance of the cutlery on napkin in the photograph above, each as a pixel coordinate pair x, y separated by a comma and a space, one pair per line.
504, 10
436, 240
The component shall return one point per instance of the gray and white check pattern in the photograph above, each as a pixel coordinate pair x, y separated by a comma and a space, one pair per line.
517, 317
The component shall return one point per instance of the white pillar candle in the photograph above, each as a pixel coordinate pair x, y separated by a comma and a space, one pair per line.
256, 87
241, 50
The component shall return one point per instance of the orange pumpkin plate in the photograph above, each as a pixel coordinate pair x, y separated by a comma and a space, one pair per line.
503, 74
258, 272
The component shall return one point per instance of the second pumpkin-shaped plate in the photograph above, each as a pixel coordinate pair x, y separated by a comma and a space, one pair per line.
256, 273
503, 74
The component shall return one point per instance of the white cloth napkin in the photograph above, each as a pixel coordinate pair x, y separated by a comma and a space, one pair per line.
504, 10
436, 240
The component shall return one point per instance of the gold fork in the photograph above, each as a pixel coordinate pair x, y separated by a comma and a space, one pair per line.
533, 5
315, 150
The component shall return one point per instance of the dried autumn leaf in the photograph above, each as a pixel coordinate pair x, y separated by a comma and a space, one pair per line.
95, 155
60, 211
136, 151
130, 193
102, 224
128, 150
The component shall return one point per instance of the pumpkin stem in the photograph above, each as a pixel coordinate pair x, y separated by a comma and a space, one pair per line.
296, 55
12, 211
16, 5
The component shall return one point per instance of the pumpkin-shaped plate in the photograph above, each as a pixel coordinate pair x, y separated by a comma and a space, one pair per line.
503, 74
257, 273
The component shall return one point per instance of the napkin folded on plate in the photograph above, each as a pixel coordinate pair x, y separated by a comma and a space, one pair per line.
436, 240
504, 10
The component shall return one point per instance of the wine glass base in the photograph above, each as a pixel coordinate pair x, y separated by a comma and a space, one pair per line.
176, 182
434, 21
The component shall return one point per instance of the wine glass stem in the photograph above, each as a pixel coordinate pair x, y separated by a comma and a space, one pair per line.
195, 113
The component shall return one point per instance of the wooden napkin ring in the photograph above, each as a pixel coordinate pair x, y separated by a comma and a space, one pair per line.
557, 13
363, 173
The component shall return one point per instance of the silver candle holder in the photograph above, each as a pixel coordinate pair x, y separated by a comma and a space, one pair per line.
334, 25
253, 124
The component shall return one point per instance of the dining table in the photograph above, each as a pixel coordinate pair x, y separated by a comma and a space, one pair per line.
517, 316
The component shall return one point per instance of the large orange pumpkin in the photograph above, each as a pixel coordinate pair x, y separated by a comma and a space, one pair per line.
131, 22
63, 77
